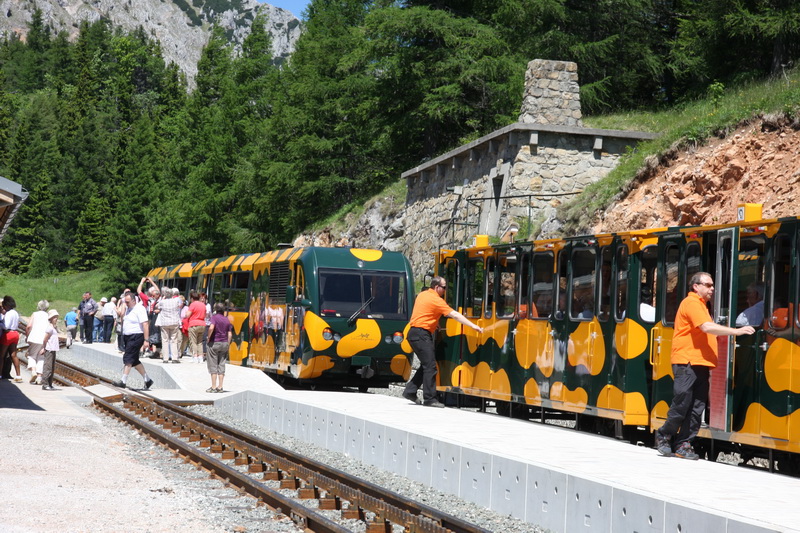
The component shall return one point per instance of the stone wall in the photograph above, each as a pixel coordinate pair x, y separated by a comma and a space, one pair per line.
517, 174
552, 94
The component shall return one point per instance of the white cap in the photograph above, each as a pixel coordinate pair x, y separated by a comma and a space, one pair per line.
51, 314
103, 300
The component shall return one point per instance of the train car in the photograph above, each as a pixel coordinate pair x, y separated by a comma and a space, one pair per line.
318, 316
582, 327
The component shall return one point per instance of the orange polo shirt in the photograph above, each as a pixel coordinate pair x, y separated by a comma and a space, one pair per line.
689, 343
428, 309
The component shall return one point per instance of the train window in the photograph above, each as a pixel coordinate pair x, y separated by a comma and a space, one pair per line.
507, 276
490, 288
542, 285
672, 290
584, 270
605, 285
473, 299
343, 292
525, 310
562, 285
779, 294
694, 261
622, 281
451, 275
750, 276
648, 281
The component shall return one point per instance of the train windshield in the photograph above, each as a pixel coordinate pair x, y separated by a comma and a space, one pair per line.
376, 294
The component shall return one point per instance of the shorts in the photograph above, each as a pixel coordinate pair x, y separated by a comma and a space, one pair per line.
9, 338
133, 344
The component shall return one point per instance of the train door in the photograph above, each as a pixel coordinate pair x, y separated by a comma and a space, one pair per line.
679, 258
554, 387
747, 309
507, 298
450, 349
725, 281
585, 350
778, 364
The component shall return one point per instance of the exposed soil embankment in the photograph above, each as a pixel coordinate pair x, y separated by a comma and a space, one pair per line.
755, 163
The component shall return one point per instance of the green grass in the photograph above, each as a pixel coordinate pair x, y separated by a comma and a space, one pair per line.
63, 291
685, 125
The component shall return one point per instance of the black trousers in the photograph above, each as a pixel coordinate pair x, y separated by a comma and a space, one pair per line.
690, 397
88, 328
421, 341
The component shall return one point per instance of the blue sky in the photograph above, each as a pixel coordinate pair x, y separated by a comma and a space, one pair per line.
295, 6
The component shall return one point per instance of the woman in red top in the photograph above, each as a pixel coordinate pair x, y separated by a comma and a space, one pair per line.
197, 325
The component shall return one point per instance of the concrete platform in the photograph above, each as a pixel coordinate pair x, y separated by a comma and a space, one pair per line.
558, 478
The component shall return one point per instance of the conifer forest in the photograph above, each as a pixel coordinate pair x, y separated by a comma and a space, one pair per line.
129, 166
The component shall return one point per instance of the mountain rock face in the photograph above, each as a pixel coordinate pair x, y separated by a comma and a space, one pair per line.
182, 26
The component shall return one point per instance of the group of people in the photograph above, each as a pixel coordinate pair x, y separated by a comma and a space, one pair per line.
92, 320
42, 337
142, 320
161, 316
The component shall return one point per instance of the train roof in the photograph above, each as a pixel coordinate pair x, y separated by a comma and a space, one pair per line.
331, 257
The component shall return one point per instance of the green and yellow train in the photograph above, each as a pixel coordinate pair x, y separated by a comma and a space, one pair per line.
321, 316
582, 327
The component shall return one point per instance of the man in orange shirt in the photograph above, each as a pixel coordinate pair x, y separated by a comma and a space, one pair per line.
694, 354
428, 309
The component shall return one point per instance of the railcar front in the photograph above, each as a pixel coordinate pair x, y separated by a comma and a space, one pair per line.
332, 316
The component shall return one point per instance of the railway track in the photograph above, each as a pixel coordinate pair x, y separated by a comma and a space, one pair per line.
275, 476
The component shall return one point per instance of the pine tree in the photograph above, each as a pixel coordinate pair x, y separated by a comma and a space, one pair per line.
91, 239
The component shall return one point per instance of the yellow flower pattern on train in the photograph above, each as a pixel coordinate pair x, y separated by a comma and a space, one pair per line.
533, 343
366, 336
366, 255
782, 366
586, 347
630, 339
314, 326
573, 399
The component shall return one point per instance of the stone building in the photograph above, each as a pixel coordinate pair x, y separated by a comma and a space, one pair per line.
513, 175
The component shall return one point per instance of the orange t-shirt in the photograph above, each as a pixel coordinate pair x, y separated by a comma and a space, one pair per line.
428, 309
689, 343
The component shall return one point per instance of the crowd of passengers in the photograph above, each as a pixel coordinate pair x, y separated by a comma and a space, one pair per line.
177, 328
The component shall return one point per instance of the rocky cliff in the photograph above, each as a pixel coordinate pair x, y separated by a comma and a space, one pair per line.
757, 162
182, 26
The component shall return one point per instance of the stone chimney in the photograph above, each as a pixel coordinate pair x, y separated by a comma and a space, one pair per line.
552, 94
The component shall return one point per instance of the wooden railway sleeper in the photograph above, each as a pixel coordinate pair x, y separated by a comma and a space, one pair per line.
379, 525
272, 474
290, 482
353, 512
330, 503
309, 492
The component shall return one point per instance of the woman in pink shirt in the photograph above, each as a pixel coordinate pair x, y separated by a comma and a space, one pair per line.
197, 326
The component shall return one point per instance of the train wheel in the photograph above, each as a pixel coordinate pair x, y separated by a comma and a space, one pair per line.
363, 388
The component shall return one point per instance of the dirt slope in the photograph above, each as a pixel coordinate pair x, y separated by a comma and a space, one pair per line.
756, 163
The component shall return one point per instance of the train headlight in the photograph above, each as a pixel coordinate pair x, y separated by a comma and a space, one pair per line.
397, 337
337, 337
327, 334
387, 339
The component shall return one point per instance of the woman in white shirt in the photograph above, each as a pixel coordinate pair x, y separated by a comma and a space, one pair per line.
10, 338
35, 331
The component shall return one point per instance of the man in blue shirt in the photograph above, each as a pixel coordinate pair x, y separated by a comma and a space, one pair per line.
71, 321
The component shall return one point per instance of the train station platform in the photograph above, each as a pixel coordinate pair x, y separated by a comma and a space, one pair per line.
554, 477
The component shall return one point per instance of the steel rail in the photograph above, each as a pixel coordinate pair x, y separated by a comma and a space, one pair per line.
387, 505
302, 516
354, 489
